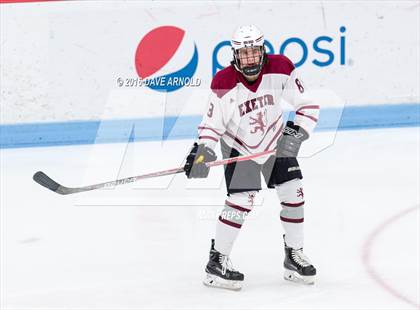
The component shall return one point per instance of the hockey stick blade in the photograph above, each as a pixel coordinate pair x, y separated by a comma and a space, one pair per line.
44, 180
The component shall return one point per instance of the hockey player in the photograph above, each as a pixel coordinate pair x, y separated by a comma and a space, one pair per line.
245, 115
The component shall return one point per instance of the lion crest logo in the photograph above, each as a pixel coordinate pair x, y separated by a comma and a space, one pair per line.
258, 123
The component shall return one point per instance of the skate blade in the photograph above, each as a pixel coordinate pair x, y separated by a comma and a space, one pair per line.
217, 282
294, 276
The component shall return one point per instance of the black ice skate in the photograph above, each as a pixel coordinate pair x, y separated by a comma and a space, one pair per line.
220, 273
297, 266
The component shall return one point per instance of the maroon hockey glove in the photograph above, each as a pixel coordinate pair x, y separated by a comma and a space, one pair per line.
288, 144
195, 166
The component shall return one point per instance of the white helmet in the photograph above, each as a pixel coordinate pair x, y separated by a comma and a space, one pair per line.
248, 36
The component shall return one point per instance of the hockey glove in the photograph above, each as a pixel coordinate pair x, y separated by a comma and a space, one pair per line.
195, 166
288, 144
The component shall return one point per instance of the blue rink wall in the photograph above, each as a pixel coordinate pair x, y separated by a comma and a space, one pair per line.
185, 127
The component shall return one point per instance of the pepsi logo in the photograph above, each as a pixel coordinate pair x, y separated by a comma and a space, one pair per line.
166, 59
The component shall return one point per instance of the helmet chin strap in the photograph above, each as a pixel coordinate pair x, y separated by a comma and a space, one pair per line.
252, 70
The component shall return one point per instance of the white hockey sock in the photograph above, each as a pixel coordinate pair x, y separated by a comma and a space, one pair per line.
292, 214
231, 219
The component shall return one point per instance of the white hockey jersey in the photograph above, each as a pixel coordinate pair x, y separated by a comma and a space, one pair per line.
248, 116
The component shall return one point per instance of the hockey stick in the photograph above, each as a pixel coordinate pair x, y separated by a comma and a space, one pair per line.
44, 180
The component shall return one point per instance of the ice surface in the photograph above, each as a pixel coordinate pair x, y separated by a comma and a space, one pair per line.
145, 246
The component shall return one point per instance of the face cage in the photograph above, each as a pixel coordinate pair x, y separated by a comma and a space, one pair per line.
250, 70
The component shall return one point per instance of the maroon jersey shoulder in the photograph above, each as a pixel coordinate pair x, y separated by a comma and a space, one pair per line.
224, 81
279, 64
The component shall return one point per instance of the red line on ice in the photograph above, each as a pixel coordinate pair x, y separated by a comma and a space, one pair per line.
366, 257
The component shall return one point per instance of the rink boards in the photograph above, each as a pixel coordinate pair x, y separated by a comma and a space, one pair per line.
185, 127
